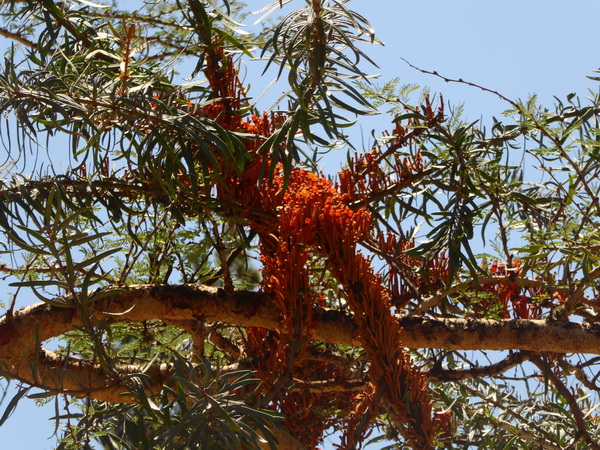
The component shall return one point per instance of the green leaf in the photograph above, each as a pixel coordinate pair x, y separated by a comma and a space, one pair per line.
12, 405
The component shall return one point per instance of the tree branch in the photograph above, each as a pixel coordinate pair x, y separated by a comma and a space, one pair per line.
60, 374
571, 400
525, 435
17, 38
512, 360
22, 333
140, 303
327, 386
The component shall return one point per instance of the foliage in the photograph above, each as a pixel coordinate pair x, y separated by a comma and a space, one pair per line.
199, 408
143, 188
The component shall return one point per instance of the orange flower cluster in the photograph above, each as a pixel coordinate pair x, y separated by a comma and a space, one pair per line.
381, 336
321, 218
409, 276
508, 292
314, 216
309, 216
365, 408
446, 423
307, 414
367, 177
309, 207
226, 87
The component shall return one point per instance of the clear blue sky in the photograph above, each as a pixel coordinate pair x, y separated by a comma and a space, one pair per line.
517, 47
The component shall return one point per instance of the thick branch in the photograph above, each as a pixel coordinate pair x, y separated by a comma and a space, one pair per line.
82, 378
22, 333
254, 309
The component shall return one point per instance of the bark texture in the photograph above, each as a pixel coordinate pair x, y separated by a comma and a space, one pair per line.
23, 332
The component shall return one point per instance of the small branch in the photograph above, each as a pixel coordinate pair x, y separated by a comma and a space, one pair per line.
220, 249
17, 38
398, 424
511, 411
544, 131
69, 26
199, 338
512, 360
579, 374
60, 374
525, 435
223, 343
436, 299
128, 16
390, 190
230, 259
328, 386
314, 353
578, 295
571, 400
461, 81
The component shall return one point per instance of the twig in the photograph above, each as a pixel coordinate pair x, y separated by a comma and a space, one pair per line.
461, 81
571, 400
542, 441
526, 435
328, 386
17, 37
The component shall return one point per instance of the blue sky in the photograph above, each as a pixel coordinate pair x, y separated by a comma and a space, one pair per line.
517, 47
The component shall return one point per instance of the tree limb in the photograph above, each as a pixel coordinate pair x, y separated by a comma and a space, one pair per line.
22, 333
140, 303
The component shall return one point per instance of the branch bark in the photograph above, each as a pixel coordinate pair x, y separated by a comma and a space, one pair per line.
22, 333
174, 304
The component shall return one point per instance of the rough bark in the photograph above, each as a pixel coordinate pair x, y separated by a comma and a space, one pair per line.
22, 333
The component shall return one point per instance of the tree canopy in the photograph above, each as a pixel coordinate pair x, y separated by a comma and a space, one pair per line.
196, 279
